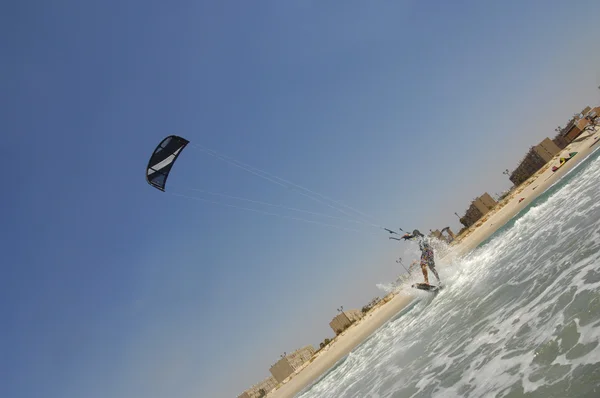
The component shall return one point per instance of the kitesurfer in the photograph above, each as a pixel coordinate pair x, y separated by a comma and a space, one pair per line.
427, 259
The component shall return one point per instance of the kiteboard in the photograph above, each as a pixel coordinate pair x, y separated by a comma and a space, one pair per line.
425, 286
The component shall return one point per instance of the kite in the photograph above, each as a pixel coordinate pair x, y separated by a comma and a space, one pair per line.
162, 160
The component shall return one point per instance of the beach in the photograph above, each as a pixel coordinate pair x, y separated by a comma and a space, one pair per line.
342, 346
504, 211
525, 194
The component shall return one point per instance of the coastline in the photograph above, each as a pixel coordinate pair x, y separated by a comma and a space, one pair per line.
342, 346
496, 218
532, 188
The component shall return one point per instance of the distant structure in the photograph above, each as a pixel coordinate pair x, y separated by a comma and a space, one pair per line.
578, 124
546, 149
575, 128
261, 389
449, 235
289, 363
534, 160
477, 209
344, 319
436, 234
594, 115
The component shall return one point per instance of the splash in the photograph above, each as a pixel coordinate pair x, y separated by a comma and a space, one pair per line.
411, 262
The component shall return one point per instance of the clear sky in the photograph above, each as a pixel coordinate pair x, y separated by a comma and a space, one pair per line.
405, 110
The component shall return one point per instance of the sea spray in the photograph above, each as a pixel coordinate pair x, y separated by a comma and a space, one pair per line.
410, 255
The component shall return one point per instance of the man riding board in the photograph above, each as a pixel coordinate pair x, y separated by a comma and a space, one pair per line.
427, 259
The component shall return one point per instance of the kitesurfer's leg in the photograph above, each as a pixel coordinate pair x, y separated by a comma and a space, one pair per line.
432, 268
427, 260
424, 269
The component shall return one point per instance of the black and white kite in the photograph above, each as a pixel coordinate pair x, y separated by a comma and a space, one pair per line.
162, 160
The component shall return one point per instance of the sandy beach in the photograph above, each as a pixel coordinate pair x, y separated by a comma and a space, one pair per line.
343, 344
470, 239
536, 185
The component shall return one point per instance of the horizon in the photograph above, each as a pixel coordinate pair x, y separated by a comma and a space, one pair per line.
404, 112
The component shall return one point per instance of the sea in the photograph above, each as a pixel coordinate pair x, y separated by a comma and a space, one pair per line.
519, 316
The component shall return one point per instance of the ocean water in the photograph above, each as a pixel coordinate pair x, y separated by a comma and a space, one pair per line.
519, 317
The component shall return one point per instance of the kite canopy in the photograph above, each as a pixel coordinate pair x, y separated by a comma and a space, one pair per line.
162, 160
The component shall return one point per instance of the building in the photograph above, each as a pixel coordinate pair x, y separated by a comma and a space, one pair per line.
576, 126
471, 216
344, 319
287, 365
546, 149
449, 237
531, 163
436, 234
576, 129
477, 209
560, 141
484, 203
537, 157
261, 389
593, 114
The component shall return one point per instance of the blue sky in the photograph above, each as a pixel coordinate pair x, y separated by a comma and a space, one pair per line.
405, 110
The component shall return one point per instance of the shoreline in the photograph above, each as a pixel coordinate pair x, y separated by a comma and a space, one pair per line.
492, 221
529, 190
342, 346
